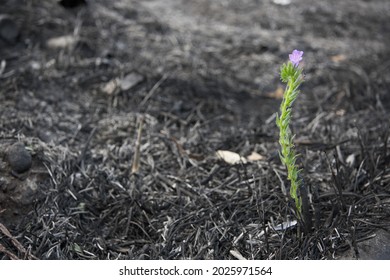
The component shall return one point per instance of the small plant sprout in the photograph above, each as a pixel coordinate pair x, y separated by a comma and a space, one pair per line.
291, 74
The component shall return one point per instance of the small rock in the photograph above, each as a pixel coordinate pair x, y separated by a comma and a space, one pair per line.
127, 82
131, 80
19, 158
9, 31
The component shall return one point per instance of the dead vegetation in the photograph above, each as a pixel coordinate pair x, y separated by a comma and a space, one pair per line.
124, 105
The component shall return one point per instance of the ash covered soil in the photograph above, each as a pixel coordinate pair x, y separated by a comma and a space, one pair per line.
111, 114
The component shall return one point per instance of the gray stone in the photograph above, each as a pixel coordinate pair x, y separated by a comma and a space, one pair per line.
19, 158
130, 80
9, 31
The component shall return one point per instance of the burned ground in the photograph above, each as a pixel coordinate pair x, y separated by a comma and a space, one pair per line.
190, 78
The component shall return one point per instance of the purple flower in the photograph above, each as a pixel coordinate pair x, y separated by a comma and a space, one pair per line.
296, 57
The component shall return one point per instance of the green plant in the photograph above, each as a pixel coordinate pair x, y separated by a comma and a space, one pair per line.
290, 74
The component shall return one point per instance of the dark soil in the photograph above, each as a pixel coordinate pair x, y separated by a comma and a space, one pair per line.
86, 91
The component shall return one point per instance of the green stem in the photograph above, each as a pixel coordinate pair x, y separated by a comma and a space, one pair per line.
292, 76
